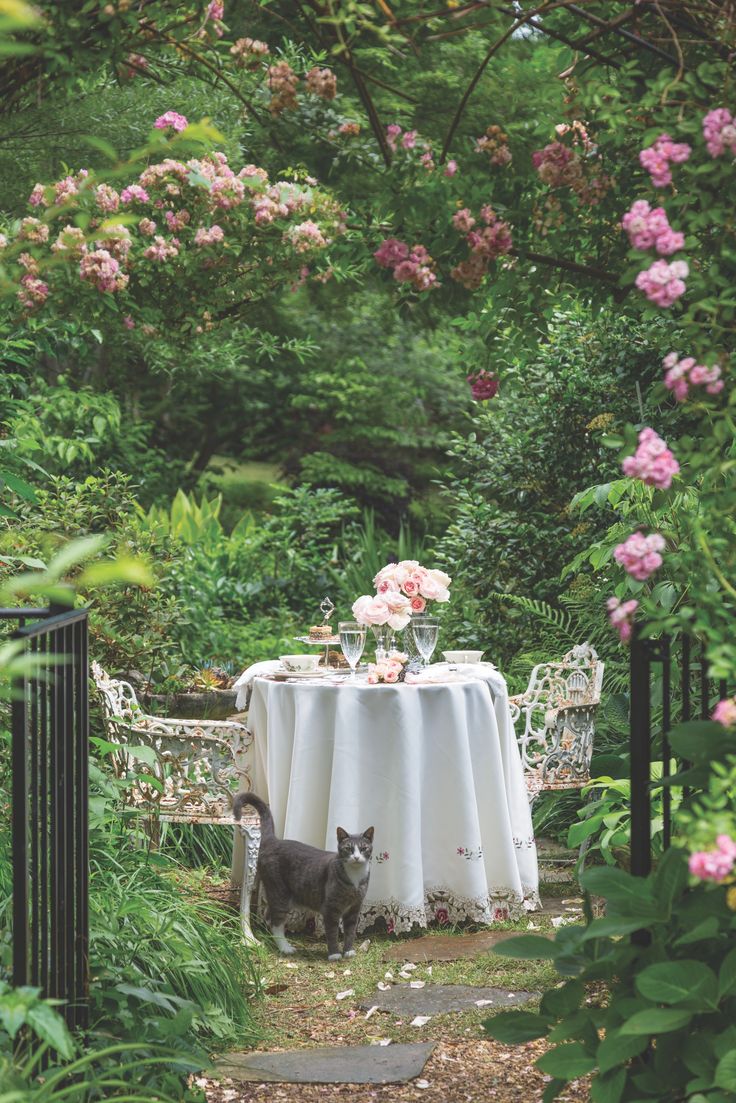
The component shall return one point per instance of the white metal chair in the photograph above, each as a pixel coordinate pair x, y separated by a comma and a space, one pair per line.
183, 771
559, 708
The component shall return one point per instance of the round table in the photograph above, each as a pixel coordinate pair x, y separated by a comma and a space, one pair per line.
434, 768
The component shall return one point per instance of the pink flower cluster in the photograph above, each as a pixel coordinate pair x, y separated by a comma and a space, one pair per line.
306, 236
621, 616
249, 50
390, 670
282, 81
419, 584
392, 608
134, 193
714, 865
161, 249
173, 120
487, 244
414, 266
639, 554
663, 283
649, 228
33, 292
558, 166
349, 129
102, 270
725, 712
322, 83
483, 385
681, 374
494, 144
211, 235
33, 230
657, 157
719, 131
652, 462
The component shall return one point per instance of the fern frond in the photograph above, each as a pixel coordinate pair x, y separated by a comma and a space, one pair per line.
561, 620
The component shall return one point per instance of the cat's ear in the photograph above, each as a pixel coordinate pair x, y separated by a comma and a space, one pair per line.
368, 834
341, 834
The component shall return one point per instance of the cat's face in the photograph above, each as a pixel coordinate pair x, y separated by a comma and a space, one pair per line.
355, 850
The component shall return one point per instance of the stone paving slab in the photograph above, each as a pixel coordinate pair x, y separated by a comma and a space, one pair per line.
439, 999
394, 1064
448, 947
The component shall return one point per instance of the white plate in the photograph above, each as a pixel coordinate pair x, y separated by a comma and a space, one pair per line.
282, 675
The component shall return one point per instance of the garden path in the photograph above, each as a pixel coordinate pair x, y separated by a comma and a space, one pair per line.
315, 1005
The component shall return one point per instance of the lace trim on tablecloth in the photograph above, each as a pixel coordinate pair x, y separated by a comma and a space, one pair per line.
441, 906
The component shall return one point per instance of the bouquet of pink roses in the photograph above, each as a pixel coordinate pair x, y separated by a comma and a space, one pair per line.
417, 583
391, 669
392, 608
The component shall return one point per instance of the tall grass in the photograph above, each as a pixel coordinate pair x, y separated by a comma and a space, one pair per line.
370, 548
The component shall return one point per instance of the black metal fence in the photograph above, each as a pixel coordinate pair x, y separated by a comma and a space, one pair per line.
50, 743
678, 670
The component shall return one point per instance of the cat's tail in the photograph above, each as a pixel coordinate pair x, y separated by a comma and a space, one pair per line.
267, 825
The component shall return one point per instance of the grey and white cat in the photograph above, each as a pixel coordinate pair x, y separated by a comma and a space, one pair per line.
294, 873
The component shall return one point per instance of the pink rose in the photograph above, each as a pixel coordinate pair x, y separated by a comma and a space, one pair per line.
386, 585
440, 576
391, 675
410, 586
418, 605
442, 916
370, 610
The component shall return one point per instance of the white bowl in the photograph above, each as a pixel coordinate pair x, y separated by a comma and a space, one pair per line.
463, 656
299, 662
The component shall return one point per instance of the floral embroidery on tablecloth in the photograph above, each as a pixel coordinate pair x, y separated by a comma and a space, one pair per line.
526, 843
470, 853
382, 857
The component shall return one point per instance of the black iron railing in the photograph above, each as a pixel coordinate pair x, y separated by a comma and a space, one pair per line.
50, 744
689, 694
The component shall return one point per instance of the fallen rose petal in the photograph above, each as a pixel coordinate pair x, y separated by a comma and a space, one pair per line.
421, 1083
345, 994
364, 945
382, 986
417, 984
483, 1003
420, 1020
371, 1011
408, 966
388, 975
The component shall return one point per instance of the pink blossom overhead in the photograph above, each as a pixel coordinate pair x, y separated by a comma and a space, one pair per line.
494, 145
211, 235
409, 139
102, 270
283, 83
652, 462
719, 131
639, 554
248, 49
134, 193
37, 198
414, 266
663, 283
621, 616
322, 83
216, 9
657, 157
463, 220
714, 865
681, 374
107, 198
483, 385
649, 228
33, 292
450, 168
32, 229
725, 712
393, 130
171, 120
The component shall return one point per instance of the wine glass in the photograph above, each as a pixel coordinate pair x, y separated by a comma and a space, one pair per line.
384, 634
425, 630
352, 642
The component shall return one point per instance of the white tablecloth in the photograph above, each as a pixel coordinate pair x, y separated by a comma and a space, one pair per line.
433, 767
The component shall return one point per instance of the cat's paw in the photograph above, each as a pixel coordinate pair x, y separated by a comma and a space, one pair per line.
285, 948
349, 953
334, 957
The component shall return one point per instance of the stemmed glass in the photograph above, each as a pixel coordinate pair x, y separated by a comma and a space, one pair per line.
352, 642
425, 630
384, 635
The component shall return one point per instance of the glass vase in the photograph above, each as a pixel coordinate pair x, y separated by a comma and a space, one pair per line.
384, 634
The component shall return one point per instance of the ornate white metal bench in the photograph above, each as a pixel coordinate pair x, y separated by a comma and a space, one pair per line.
558, 710
190, 774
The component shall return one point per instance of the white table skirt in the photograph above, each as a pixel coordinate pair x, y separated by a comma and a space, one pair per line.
434, 768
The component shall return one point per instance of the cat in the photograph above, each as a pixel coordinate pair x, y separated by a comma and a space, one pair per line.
292, 872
